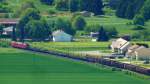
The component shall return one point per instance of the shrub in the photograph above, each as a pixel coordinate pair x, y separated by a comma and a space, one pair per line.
139, 20
52, 11
4, 43
79, 23
138, 27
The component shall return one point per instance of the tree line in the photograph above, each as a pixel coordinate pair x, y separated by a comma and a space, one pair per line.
137, 9
94, 6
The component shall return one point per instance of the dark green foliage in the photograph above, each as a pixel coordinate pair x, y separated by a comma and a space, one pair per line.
37, 30
14, 34
62, 4
103, 36
139, 20
94, 6
64, 25
30, 14
79, 23
74, 5
113, 3
4, 7
138, 27
145, 11
48, 2
4, 44
92, 28
142, 35
24, 6
112, 32
129, 8
1, 27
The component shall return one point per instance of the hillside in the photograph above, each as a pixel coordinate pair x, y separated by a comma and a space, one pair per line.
123, 25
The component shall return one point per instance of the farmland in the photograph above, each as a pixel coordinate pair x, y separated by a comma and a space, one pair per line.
72, 46
77, 46
22, 67
108, 21
86, 48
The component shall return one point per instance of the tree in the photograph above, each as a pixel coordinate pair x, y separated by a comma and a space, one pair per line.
79, 23
112, 32
24, 6
1, 29
4, 7
139, 20
129, 8
48, 2
64, 25
102, 35
37, 30
145, 11
74, 5
129, 14
62, 4
94, 6
30, 14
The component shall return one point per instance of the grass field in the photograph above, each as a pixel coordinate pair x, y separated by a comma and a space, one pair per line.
19, 67
72, 46
77, 46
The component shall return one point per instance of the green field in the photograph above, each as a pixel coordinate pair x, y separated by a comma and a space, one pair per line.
20, 67
72, 46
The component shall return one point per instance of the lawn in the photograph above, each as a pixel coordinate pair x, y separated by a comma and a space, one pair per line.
21, 67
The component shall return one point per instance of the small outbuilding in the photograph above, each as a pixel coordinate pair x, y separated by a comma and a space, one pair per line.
61, 36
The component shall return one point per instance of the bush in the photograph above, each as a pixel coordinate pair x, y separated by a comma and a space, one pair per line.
62, 5
48, 2
79, 23
4, 44
92, 28
139, 20
52, 11
65, 25
142, 35
138, 27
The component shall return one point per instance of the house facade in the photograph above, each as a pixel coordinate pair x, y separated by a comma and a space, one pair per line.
61, 36
120, 46
8, 31
138, 52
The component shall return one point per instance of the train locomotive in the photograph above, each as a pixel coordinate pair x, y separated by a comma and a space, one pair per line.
19, 45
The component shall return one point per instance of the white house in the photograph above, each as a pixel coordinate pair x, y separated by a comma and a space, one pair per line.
138, 52
120, 45
7, 31
61, 36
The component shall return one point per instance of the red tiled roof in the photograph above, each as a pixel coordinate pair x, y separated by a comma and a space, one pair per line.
9, 21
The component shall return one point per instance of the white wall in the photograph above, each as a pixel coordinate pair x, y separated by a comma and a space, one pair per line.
62, 38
